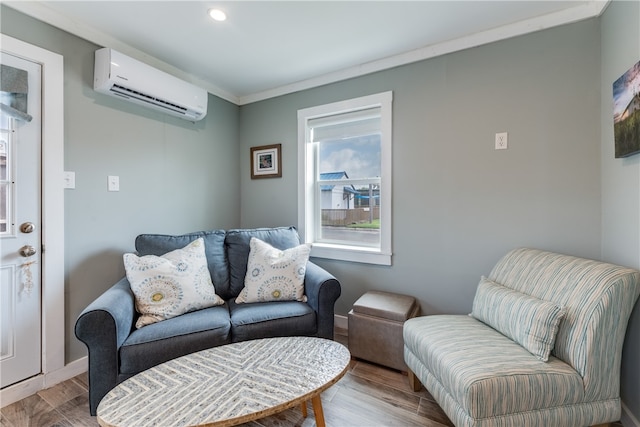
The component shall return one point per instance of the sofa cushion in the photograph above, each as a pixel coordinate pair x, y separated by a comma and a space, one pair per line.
274, 275
271, 319
159, 342
529, 321
238, 246
172, 284
159, 244
487, 374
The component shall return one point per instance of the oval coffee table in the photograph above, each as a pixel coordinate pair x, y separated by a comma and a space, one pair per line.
228, 385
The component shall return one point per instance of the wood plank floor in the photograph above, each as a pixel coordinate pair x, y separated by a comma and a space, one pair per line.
368, 396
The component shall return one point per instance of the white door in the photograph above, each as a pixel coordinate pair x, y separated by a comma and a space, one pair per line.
20, 227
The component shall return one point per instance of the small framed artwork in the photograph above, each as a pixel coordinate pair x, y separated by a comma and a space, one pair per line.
266, 161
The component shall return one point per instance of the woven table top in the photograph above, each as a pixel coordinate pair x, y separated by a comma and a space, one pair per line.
226, 385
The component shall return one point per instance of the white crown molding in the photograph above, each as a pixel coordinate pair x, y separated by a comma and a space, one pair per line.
580, 12
567, 16
41, 12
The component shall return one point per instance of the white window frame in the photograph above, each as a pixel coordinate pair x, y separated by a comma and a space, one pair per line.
308, 200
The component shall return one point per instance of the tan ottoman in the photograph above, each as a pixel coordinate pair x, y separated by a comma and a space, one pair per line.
375, 327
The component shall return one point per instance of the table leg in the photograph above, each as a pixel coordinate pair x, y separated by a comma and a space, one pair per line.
304, 409
317, 410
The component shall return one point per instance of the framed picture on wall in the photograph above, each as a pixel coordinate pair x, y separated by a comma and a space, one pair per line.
626, 112
266, 161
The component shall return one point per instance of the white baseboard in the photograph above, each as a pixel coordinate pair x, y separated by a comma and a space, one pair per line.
40, 382
628, 419
340, 321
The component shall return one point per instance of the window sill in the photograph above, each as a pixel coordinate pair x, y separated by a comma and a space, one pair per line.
350, 253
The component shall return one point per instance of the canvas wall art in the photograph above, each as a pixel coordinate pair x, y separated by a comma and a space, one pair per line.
626, 112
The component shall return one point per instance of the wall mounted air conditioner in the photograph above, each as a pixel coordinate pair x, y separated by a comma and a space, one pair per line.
118, 75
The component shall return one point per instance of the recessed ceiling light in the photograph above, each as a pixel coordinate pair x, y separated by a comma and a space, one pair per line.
217, 15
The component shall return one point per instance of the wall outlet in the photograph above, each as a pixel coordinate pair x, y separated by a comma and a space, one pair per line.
501, 140
113, 183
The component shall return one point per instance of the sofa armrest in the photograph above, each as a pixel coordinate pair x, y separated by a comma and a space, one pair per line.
102, 327
322, 291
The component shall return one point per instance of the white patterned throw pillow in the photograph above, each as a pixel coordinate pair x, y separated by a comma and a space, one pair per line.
172, 284
274, 275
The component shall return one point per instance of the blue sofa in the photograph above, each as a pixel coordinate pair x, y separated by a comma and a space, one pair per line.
117, 350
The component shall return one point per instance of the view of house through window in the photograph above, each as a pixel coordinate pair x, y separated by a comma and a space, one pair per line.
349, 179
346, 150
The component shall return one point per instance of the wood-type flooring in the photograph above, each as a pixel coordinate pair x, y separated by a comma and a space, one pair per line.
367, 396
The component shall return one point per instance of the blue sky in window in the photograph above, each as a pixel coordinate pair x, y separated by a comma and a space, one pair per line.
359, 156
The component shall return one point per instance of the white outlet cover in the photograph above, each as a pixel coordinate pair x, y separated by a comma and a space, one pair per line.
502, 140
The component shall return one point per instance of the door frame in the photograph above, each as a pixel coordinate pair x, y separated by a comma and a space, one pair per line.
52, 310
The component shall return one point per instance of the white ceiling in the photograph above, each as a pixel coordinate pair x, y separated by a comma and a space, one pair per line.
268, 48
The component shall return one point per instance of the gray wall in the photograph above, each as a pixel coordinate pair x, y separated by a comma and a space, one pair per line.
458, 204
175, 176
621, 180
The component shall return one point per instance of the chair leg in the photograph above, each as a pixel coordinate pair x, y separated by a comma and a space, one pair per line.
414, 382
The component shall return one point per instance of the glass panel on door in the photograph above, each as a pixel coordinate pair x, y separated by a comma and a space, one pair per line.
6, 193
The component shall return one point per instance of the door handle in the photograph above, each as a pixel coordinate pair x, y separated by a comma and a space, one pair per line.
27, 251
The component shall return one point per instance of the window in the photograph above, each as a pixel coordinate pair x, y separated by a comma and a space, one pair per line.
7, 128
344, 170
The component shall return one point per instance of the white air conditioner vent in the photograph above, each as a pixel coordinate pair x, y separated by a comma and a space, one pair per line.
126, 78
126, 93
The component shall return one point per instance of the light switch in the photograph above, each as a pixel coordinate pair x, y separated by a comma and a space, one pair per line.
69, 180
113, 183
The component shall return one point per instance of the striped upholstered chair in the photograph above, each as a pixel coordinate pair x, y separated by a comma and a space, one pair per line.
542, 346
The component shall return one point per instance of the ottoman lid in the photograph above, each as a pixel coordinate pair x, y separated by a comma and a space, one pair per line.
385, 305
